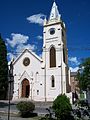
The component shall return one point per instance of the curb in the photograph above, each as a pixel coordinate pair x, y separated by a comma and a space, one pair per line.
16, 114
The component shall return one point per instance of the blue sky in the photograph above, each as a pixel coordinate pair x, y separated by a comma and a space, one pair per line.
21, 26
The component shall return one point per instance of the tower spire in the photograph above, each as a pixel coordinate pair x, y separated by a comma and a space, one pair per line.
54, 12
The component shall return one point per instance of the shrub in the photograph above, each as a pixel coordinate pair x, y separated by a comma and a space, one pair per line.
83, 103
26, 108
62, 107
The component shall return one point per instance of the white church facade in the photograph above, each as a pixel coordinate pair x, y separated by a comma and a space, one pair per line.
43, 79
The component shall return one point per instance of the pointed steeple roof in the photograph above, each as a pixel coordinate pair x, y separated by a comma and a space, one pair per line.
54, 12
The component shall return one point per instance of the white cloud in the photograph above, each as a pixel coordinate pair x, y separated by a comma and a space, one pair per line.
19, 43
22, 47
74, 60
37, 19
74, 69
19, 49
39, 37
17, 39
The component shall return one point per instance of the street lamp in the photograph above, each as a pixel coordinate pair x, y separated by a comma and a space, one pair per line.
10, 80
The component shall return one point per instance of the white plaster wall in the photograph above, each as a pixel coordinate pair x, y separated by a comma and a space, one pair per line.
64, 77
69, 95
31, 70
52, 92
56, 41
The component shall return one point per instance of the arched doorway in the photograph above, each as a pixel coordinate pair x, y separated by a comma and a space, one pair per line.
25, 88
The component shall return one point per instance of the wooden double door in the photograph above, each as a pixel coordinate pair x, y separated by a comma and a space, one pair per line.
25, 88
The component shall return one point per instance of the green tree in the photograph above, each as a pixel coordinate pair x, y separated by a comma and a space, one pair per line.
84, 74
3, 70
62, 107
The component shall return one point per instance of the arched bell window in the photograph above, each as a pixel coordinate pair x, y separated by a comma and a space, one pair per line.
52, 81
52, 57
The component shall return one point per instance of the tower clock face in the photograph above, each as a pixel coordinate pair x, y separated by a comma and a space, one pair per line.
26, 61
52, 31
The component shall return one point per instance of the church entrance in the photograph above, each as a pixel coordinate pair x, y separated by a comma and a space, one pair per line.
25, 88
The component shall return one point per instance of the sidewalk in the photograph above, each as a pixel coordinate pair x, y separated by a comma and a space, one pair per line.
14, 113
17, 118
40, 107
4, 107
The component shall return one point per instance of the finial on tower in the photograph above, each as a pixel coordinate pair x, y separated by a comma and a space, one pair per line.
45, 21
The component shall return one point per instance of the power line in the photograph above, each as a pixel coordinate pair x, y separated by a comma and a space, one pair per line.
57, 49
34, 75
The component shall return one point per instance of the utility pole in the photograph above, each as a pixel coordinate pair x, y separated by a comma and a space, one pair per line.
45, 74
10, 80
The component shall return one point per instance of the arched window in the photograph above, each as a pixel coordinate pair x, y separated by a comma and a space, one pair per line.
52, 81
52, 57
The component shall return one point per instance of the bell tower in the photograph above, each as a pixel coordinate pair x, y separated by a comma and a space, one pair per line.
54, 54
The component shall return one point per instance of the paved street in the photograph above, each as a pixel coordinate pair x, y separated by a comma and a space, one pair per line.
40, 110
40, 107
14, 112
16, 118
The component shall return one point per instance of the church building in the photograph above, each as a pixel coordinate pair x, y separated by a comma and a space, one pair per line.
43, 79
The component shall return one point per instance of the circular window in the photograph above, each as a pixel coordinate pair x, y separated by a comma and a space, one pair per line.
52, 31
26, 61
